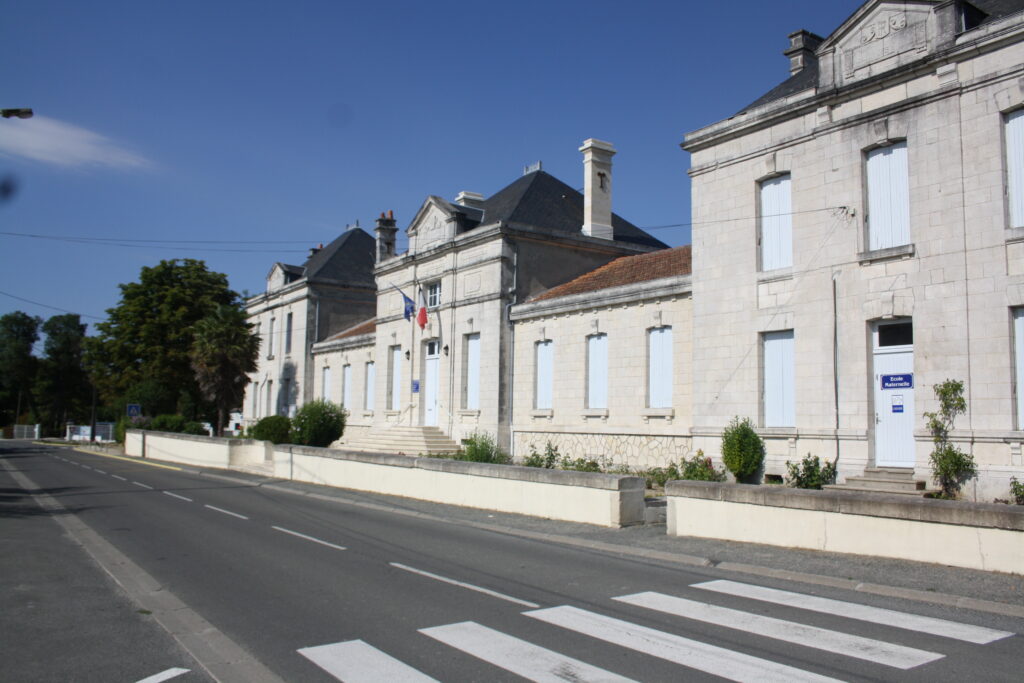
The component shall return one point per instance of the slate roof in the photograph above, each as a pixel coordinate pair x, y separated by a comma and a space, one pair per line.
365, 327
626, 270
348, 259
543, 201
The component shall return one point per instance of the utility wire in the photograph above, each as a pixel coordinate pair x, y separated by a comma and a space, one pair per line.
55, 308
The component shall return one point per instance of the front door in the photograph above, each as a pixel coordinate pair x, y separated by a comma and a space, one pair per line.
430, 371
894, 394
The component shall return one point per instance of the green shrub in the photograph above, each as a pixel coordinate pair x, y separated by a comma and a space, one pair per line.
1016, 491
124, 423
810, 473
481, 447
196, 428
169, 423
579, 464
951, 467
658, 476
546, 461
742, 448
699, 468
273, 428
318, 423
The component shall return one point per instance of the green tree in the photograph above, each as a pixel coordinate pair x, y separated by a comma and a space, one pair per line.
951, 467
224, 351
318, 423
147, 338
63, 391
18, 333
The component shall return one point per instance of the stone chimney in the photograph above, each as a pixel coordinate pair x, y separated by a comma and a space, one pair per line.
470, 199
386, 233
597, 188
802, 45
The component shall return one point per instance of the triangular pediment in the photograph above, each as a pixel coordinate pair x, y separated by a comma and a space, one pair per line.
432, 224
880, 36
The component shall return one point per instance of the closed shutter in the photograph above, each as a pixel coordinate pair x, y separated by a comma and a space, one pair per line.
1018, 347
776, 224
473, 372
888, 197
326, 385
1015, 167
659, 368
544, 378
371, 382
597, 372
779, 408
346, 387
395, 396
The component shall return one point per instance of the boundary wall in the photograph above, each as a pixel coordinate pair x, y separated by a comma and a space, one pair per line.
983, 536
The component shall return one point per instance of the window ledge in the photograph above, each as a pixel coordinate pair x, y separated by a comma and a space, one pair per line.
1015, 234
902, 251
784, 432
542, 413
595, 412
775, 275
367, 413
392, 413
270, 357
658, 412
469, 412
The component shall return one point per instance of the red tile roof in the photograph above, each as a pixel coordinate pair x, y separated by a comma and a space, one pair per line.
365, 327
626, 270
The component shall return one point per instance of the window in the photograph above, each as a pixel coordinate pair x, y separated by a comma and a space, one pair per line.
776, 224
270, 398
471, 373
286, 397
371, 380
346, 387
1015, 167
434, 294
888, 197
659, 368
270, 339
288, 334
597, 372
777, 392
255, 399
394, 378
1018, 348
325, 384
543, 379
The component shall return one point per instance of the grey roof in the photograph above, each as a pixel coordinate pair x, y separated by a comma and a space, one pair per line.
348, 259
543, 201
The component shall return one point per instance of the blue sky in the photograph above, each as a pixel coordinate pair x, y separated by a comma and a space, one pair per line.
247, 132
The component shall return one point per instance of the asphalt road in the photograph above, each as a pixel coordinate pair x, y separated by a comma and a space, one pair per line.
260, 583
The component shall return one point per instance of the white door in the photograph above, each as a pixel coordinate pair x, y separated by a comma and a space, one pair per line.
894, 395
430, 370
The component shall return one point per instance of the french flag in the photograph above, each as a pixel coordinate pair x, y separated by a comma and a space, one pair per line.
421, 317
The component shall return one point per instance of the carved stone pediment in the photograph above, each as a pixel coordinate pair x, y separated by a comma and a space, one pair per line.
880, 37
431, 226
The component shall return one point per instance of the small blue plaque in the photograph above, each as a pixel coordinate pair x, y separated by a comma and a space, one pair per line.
415, 386
898, 381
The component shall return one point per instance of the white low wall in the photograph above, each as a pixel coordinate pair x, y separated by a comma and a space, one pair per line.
973, 535
602, 499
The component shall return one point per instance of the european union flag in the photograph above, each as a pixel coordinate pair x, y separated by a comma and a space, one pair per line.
410, 306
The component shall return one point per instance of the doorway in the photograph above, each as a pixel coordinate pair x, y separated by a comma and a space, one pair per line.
431, 363
893, 368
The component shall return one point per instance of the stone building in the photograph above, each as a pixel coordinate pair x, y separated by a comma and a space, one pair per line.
859, 237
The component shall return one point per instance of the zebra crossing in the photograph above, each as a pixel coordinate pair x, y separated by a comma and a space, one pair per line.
357, 661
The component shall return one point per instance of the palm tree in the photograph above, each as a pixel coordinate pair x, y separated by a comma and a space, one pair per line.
224, 351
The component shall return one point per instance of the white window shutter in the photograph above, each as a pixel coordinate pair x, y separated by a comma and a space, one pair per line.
371, 382
659, 368
326, 384
1018, 347
779, 404
473, 372
346, 387
396, 378
888, 197
544, 377
776, 224
1015, 167
597, 372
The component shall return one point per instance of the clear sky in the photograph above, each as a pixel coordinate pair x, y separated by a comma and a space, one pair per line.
243, 133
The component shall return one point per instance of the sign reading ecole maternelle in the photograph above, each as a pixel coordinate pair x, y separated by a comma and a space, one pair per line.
898, 381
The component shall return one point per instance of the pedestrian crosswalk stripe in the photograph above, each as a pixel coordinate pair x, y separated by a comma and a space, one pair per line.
711, 659
525, 659
876, 651
851, 610
355, 661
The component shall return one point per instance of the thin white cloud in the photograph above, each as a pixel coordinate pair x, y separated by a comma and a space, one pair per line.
55, 142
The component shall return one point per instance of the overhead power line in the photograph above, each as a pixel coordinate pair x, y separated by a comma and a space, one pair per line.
54, 308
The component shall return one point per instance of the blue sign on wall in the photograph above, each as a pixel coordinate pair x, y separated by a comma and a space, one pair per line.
415, 386
898, 381
134, 410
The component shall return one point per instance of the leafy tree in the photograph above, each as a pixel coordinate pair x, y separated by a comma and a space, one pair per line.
318, 423
951, 467
148, 336
224, 351
742, 448
63, 392
273, 428
18, 333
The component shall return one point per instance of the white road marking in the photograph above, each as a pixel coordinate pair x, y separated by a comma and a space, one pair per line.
226, 512
851, 610
711, 659
309, 538
145, 486
518, 656
86, 467
164, 675
478, 589
175, 495
117, 477
877, 651
99, 470
355, 662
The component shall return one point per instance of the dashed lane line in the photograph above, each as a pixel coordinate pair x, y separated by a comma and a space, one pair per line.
226, 512
461, 584
115, 476
175, 495
309, 538
145, 486
164, 675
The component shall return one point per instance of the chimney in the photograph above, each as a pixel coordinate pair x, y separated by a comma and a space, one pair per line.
470, 199
597, 188
313, 250
802, 45
386, 233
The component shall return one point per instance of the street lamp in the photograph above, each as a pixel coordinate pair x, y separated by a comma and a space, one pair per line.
16, 113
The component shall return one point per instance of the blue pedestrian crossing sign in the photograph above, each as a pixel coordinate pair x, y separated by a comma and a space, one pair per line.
134, 410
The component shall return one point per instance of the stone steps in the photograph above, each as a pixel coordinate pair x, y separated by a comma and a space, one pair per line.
891, 480
402, 440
